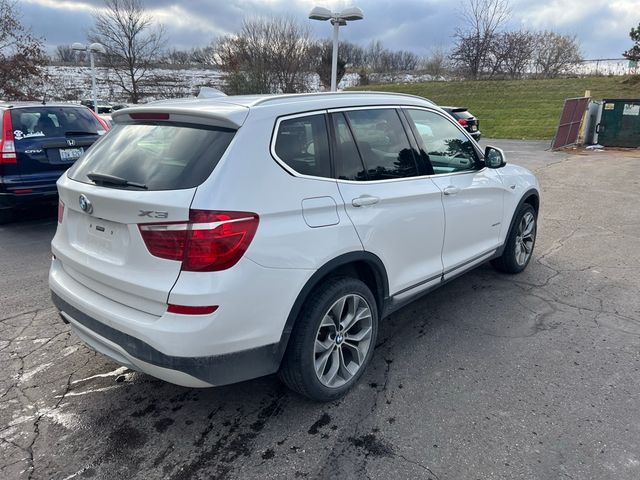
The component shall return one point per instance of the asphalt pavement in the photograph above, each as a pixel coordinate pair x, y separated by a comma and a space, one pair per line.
534, 376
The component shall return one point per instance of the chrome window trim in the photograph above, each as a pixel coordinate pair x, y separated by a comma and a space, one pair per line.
294, 173
364, 107
405, 179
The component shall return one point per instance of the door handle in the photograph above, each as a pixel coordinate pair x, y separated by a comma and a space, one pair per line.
364, 200
450, 190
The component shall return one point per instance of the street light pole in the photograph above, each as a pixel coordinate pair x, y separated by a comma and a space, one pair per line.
92, 49
93, 83
334, 56
337, 20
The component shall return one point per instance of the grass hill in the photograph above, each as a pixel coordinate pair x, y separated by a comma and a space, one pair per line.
521, 109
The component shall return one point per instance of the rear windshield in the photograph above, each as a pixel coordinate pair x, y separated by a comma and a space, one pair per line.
50, 121
159, 156
463, 114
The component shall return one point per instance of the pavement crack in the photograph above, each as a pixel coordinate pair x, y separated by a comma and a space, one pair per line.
29, 449
418, 464
11, 317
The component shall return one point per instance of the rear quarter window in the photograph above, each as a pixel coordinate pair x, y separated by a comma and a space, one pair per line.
303, 144
160, 156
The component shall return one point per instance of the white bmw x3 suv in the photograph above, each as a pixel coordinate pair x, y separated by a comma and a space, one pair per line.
207, 242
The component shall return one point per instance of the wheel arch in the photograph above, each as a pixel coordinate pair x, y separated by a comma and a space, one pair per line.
365, 266
531, 197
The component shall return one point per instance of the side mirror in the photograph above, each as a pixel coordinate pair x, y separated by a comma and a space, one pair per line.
494, 157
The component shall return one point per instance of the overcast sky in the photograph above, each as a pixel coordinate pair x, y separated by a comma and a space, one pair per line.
602, 26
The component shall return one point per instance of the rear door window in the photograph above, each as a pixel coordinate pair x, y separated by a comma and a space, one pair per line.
159, 156
349, 165
383, 144
302, 144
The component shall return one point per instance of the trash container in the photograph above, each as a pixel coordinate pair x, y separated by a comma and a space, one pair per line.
620, 123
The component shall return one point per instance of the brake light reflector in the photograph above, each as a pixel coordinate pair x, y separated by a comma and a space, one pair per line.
211, 240
8, 148
149, 116
462, 122
189, 310
60, 210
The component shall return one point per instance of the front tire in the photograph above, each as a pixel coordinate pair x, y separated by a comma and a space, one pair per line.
518, 248
332, 341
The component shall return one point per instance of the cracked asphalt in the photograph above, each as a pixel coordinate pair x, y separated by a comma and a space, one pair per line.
534, 376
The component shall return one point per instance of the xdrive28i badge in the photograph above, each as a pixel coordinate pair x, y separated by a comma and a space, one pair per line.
85, 204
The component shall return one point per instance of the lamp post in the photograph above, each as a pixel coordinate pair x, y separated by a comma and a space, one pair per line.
93, 48
338, 20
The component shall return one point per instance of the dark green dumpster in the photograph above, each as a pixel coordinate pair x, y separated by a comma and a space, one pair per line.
620, 123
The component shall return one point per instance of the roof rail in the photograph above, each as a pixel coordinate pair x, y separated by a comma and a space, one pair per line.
328, 94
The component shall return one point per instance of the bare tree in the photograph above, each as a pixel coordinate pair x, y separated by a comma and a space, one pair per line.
322, 54
436, 63
268, 55
204, 56
21, 56
132, 42
66, 54
177, 57
518, 48
483, 20
555, 54
403, 61
352, 54
374, 56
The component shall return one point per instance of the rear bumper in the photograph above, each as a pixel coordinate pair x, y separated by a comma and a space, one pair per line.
186, 371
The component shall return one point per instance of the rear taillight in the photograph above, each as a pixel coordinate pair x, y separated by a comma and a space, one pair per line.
462, 122
209, 242
100, 120
8, 147
60, 210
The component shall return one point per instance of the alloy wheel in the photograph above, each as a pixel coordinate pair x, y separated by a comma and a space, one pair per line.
525, 238
343, 341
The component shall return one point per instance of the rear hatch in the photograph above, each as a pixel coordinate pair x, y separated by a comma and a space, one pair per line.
140, 173
466, 119
49, 139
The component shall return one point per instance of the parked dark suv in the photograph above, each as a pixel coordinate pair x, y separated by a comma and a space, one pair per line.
464, 117
39, 142
103, 107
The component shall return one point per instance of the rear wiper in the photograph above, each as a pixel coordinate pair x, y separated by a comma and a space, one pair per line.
105, 179
79, 132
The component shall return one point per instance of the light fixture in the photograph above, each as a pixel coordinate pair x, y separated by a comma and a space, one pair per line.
338, 20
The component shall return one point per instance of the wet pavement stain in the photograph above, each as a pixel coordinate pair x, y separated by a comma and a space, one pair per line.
372, 445
323, 421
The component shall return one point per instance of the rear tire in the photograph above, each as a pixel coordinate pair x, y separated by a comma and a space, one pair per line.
332, 341
518, 248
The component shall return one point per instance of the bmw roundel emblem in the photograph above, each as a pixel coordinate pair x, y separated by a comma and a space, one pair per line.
85, 204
